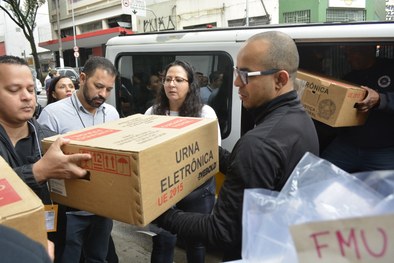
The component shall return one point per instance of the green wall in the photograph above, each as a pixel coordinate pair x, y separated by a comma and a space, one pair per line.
375, 9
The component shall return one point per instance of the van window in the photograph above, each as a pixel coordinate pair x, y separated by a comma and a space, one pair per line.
330, 59
141, 73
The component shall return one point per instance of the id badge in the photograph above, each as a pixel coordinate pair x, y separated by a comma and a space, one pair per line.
51, 217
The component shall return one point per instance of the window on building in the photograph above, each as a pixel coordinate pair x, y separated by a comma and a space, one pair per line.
302, 16
90, 27
133, 95
67, 32
53, 4
345, 15
122, 21
206, 25
253, 21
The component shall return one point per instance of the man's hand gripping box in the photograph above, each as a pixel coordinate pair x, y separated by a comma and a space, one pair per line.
141, 165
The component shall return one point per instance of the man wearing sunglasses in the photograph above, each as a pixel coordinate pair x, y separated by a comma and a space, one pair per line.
265, 156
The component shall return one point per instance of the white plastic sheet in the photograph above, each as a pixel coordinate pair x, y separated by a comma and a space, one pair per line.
316, 190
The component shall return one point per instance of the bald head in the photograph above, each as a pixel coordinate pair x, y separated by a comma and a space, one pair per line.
281, 51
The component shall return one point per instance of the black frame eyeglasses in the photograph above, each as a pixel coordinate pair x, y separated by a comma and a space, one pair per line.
245, 74
177, 80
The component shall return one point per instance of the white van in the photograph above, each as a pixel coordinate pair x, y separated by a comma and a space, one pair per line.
320, 46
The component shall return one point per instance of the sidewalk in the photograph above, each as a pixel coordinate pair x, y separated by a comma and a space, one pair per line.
135, 247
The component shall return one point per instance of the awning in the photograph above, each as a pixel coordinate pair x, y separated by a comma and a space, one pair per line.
86, 40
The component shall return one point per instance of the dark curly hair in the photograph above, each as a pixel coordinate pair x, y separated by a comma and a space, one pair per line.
52, 87
192, 105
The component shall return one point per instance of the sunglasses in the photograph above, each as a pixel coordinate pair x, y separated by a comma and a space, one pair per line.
244, 75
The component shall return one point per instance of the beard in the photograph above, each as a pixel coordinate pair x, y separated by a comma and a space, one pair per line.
95, 102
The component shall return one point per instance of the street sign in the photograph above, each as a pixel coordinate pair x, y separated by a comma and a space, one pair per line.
76, 48
134, 7
76, 54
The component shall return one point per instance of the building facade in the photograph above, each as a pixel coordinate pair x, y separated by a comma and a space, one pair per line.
389, 10
81, 28
86, 25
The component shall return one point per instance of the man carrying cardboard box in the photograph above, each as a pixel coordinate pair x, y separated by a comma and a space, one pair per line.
265, 156
21, 135
370, 146
86, 232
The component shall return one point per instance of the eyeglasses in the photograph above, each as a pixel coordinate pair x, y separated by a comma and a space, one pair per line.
245, 74
177, 80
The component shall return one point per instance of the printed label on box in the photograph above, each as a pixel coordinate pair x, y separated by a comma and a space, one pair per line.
177, 123
192, 159
108, 162
91, 134
8, 195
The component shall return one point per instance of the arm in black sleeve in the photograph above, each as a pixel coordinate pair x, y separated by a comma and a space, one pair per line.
25, 172
209, 229
386, 102
224, 157
40, 189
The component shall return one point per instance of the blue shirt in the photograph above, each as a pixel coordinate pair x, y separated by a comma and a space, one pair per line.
69, 115
205, 92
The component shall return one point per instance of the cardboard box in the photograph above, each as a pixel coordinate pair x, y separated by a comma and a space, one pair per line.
141, 165
20, 207
330, 101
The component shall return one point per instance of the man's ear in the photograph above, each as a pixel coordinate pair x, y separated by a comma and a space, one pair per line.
282, 78
82, 77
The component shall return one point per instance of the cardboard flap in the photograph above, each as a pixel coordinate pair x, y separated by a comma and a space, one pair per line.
125, 136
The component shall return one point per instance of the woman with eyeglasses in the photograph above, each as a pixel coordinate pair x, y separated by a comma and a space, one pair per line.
179, 96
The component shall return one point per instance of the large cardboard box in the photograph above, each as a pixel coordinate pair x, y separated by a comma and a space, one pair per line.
20, 207
141, 165
330, 101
